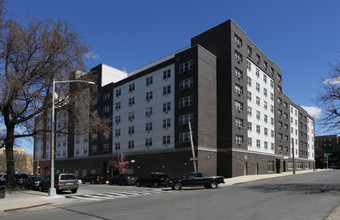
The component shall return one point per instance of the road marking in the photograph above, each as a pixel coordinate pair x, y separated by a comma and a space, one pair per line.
103, 196
82, 197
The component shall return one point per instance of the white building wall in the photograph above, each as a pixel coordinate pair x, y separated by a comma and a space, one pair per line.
110, 74
48, 136
156, 62
81, 145
251, 72
61, 139
39, 141
294, 130
139, 110
310, 136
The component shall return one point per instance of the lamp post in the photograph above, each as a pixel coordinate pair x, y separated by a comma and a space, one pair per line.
52, 190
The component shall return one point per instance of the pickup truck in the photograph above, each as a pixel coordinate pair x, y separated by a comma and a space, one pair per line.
196, 179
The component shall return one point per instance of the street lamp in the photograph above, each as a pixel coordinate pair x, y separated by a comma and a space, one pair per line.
52, 190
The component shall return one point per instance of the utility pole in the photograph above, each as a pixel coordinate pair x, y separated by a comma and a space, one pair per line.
192, 148
293, 156
52, 190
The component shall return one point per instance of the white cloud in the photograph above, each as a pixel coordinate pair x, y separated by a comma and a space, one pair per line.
314, 111
333, 81
91, 55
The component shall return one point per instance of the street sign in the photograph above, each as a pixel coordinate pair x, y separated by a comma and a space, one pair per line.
192, 159
327, 154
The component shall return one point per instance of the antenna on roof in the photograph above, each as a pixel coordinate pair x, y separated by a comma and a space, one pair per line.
124, 69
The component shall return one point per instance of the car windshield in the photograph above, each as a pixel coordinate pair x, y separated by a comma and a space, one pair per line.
68, 177
38, 178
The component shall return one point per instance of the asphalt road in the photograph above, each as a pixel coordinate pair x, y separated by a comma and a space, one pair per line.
309, 196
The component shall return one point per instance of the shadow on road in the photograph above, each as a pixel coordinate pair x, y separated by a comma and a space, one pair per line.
331, 189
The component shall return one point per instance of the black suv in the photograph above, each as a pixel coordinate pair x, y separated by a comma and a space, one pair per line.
94, 178
122, 179
154, 179
63, 181
33, 182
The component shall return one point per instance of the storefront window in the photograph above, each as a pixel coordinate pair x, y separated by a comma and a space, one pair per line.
270, 166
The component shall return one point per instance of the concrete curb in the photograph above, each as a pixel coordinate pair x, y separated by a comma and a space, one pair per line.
26, 207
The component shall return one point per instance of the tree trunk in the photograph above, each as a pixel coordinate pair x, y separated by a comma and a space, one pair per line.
9, 141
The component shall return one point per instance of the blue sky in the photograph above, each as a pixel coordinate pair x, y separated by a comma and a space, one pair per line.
302, 37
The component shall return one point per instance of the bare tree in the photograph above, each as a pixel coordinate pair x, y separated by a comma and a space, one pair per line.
2, 12
30, 58
329, 100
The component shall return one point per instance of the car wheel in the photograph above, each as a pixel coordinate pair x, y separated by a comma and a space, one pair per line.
138, 184
40, 189
177, 186
155, 184
92, 182
213, 184
123, 183
110, 182
58, 191
83, 181
74, 190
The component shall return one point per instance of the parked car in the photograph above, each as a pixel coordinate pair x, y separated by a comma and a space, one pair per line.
62, 181
154, 179
94, 178
33, 182
21, 178
196, 179
123, 179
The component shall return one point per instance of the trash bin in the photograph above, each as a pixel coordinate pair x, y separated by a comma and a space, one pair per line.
2, 192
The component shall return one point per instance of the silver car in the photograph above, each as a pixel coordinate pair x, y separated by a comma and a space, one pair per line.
62, 181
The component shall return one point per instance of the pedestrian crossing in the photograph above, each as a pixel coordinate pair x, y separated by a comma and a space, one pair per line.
115, 195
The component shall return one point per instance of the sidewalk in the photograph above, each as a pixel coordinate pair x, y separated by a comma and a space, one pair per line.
249, 178
25, 199
20, 200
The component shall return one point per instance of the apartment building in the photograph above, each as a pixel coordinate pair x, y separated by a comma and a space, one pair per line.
327, 150
225, 86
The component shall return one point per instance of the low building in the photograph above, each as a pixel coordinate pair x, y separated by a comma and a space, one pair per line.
23, 162
327, 151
